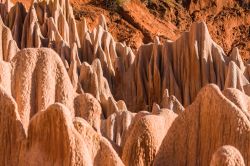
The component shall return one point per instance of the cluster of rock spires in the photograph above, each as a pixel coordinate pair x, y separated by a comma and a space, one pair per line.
88, 100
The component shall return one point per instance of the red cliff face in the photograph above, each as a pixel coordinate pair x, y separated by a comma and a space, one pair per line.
139, 21
74, 95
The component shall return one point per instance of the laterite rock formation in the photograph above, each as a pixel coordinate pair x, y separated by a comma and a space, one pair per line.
227, 155
73, 95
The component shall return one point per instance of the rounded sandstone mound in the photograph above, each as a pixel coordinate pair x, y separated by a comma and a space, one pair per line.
227, 156
53, 140
144, 138
209, 122
39, 79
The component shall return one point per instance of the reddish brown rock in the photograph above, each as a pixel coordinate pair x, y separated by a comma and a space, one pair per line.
11, 130
227, 156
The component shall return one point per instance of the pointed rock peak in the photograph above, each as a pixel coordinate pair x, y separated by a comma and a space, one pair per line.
61, 13
103, 23
97, 65
121, 105
157, 40
32, 3
235, 77
235, 51
232, 66
8, 5
156, 109
165, 94
32, 14
85, 26
235, 56
200, 28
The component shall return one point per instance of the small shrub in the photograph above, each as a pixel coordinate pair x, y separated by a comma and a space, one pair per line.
114, 4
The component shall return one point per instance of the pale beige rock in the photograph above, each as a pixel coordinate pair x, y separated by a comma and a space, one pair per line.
31, 34
209, 122
92, 81
74, 66
235, 77
11, 130
227, 156
235, 56
155, 109
5, 76
241, 100
145, 138
88, 108
100, 149
171, 103
102, 22
8, 47
53, 140
183, 67
39, 79
132, 122
147, 72
116, 126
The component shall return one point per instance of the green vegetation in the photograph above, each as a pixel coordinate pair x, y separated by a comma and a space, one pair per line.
120, 2
114, 4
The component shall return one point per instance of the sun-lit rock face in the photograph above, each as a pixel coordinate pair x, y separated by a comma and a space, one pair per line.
211, 121
71, 96
39, 79
144, 138
8, 45
53, 140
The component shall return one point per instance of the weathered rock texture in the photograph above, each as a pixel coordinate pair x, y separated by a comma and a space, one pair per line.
53, 140
227, 156
11, 132
209, 122
71, 96
39, 79
100, 149
183, 67
144, 137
